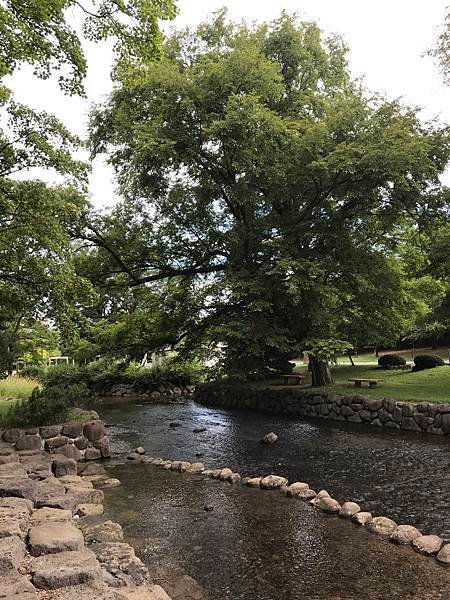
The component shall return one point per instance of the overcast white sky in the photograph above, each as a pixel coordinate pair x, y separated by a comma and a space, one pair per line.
387, 41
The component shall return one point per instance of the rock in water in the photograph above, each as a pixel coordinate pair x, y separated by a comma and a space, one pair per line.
270, 438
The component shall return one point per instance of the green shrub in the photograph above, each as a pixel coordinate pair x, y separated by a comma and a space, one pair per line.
427, 361
33, 372
47, 406
391, 360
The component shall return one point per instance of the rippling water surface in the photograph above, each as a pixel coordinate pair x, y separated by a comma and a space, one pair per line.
262, 546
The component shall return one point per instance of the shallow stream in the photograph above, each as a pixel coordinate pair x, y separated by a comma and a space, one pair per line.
255, 545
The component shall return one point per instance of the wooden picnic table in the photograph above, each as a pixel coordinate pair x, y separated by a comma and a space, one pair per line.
360, 381
295, 379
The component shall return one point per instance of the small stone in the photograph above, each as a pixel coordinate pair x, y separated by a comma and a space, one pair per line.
381, 526
133, 456
208, 508
349, 509
139, 450
272, 482
428, 544
270, 438
111, 482
361, 518
89, 510
16, 587
295, 488
254, 482
328, 505
404, 534
199, 429
235, 478
306, 495
444, 554
225, 474
174, 424
196, 468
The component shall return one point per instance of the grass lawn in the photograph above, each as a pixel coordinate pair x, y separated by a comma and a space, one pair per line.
431, 385
15, 386
369, 357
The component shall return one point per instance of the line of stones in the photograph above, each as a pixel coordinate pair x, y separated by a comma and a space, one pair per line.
47, 519
389, 413
428, 545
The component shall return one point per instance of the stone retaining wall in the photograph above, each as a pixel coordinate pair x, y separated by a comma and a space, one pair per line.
388, 413
79, 441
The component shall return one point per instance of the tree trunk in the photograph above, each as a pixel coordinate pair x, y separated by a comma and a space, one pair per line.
321, 374
350, 357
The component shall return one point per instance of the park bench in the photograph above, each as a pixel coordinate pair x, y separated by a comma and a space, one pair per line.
295, 379
370, 382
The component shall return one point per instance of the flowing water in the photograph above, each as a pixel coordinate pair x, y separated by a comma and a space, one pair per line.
253, 545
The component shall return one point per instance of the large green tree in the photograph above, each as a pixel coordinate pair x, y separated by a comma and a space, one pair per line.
268, 187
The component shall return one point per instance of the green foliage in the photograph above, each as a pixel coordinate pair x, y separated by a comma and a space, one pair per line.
37, 32
42, 408
441, 50
326, 350
427, 361
391, 360
266, 198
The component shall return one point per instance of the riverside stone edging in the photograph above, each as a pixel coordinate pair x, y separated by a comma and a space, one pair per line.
388, 413
75, 440
54, 539
428, 545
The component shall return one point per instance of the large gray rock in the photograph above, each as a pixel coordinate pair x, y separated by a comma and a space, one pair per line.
73, 430
94, 430
29, 442
381, 526
64, 466
428, 544
404, 534
54, 537
53, 571
12, 552
15, 586
120, 564
50, 431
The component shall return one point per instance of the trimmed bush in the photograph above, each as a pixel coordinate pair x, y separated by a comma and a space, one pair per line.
391, 360
427, 361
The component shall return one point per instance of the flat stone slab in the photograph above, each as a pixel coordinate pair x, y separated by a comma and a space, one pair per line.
64, 569
103, 532
16, 587
89, 510
14, 521
94, 591
14, 486
12, 552
54, 537
44, 515
86, 495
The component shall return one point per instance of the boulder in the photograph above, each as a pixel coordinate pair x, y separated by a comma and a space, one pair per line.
73, 430
225, 474
91, 469
70, 451
29, 442
196, 468
328, 505
12, 435
272, 482
270, 438
235, 478
18, 487
93, 454
53, 571
103, 446
361, 518
56, 442
50, 431
84, 495
81, 442
12, 552
349, 509
94, 430
404, 534
381, 526
427, 544
306, 495
87, 591
63, 466
51, 538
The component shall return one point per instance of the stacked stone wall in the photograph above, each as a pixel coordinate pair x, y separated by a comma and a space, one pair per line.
78, 441
388, 413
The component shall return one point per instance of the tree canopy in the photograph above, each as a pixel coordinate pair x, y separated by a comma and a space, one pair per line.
265, 193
